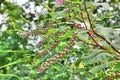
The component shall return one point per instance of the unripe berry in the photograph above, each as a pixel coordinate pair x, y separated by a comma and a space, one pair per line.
24, 35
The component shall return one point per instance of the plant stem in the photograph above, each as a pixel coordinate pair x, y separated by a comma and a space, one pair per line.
90, 22
86, 42
81, 15
88, 15
107, 42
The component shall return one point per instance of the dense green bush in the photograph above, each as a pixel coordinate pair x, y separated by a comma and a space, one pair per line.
70, 40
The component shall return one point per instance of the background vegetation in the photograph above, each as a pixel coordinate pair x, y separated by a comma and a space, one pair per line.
76, 40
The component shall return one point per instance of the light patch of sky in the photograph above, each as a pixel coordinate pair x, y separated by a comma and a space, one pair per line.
19, 2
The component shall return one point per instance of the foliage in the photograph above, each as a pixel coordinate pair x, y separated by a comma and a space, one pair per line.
76, 42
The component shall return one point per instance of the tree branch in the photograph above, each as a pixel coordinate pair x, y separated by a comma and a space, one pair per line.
90, 22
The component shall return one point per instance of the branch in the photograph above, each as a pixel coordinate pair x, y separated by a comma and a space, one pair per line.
88, 15
96, 41
91, 35
97, 33
86, 42
81, 15
107, 42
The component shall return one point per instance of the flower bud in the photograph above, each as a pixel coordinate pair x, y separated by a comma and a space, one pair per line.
39, 44
41, 70
58, 3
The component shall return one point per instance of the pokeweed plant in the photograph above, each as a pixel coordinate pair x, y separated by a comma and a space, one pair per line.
68, 29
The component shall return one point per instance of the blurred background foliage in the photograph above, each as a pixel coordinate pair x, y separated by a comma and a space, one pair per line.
19, 58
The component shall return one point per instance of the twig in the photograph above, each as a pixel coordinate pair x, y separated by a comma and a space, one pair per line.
97, 33
81, 15
88, 15
96, 41
91, 35
86, 42
107, 42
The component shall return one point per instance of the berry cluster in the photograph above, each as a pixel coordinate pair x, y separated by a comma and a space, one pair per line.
56, 42
38, 30
43, 40
59, 55
49, 48
115, 76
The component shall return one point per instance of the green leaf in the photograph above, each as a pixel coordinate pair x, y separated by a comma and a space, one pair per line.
115, 26
116, 40
52, 31
83, 35
10, 75
15, 13
108, 33
62, 28
66, 35
14, 51
92, 53
96, 56
60, 47
3, 54
59, 75
78, 62
57, 15
15, 62
100, 67
117, 66
101, 57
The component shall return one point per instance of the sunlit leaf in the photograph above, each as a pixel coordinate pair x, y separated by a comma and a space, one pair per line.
100, 67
